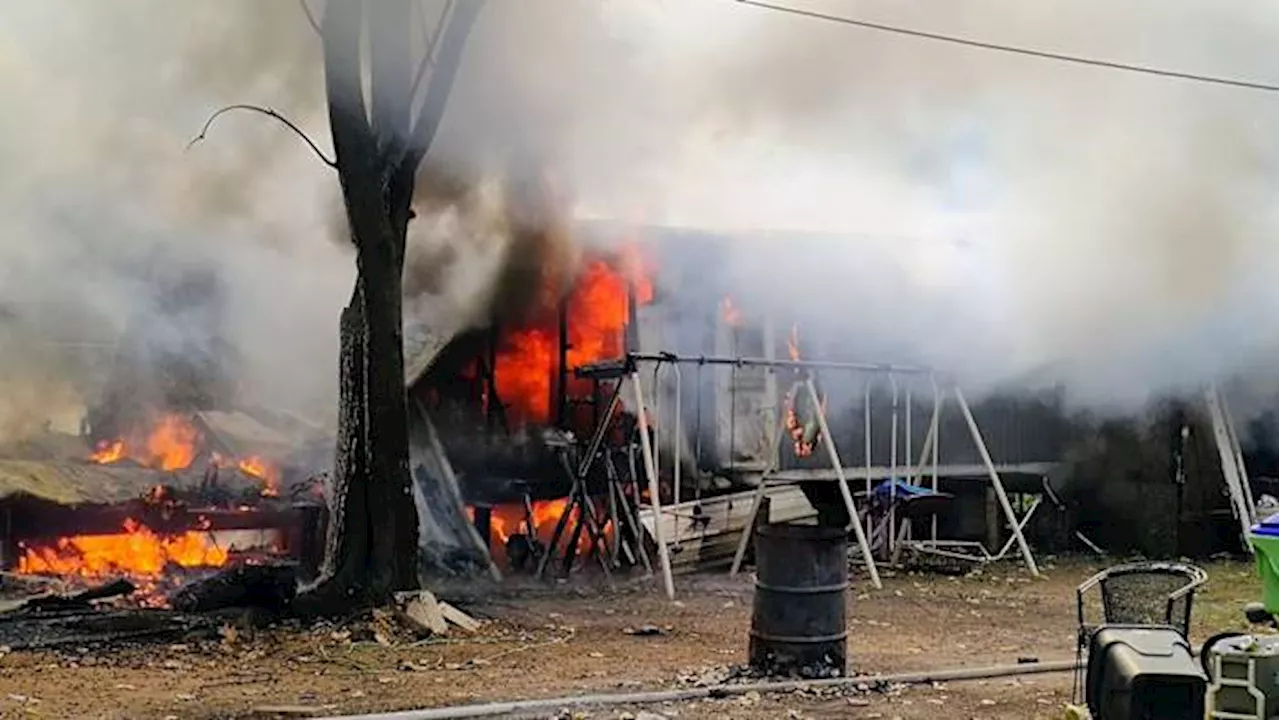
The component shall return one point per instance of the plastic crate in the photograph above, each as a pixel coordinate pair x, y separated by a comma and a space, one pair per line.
1263, 536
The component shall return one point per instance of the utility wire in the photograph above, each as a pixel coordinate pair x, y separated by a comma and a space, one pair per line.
1009, 49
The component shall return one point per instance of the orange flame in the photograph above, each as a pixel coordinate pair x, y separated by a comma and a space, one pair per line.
638, 271
804, 439
169, 445
729, 312
255, 466
793, 344
138, 553
172, 444
108, 451
597, 310
508, 520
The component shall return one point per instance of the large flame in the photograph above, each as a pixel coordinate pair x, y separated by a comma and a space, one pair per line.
596, 317
170, 444
137, 553
508, 520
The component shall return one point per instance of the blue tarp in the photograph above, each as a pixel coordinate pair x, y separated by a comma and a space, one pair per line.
901, 488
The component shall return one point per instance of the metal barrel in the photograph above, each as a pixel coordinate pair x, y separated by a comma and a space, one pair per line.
798, 616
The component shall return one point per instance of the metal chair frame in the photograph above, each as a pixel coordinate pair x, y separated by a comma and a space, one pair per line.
1194, 576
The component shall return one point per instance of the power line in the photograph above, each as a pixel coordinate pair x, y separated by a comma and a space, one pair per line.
1010, 49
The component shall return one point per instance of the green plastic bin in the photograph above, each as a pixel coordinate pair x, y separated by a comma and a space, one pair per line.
1263, 537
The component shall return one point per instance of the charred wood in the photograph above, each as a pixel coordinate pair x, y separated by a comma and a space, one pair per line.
83, 599
268, 587
24, 631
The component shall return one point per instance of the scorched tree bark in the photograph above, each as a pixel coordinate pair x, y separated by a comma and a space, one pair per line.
379, 142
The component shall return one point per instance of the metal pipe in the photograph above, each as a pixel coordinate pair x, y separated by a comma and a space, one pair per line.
658, 423
893, 466
937, 442
560, 387
765, 362
597, 437
996, 482
907, 432
759, 496
866, 441
538, 707
678, 440
655, 499
843, 484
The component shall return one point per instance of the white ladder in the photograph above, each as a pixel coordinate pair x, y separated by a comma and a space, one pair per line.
1232, 463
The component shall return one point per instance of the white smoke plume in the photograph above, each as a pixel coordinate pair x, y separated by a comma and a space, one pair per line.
1009, 218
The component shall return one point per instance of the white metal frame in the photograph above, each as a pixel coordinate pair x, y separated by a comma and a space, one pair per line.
928, 449
1233, 472
807, 368
651, 474
981, 554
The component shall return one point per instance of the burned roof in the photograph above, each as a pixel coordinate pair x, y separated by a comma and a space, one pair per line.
241, 434
421, 346
71, 482
56, 468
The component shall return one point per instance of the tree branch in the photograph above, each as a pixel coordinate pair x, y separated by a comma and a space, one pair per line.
391, 67
428, 55
269, 113
354, 146
453, 39
306, 10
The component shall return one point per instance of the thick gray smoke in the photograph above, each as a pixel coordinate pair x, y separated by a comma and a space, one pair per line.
1009, 218
98, 190
1012, 219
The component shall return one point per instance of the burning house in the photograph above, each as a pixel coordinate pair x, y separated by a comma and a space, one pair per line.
514, 415
512, 406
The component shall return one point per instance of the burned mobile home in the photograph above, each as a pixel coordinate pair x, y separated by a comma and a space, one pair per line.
518, 420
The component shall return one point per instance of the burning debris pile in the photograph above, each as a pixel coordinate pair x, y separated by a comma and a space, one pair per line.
161, 506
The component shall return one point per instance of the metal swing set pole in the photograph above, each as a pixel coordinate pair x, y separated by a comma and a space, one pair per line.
996, 483
843, 482
651, 474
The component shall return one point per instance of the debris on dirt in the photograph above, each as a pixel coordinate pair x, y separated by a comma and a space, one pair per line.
430, 616
459, 618
230, 634
422, 610
644, 631
706, 677
283, 711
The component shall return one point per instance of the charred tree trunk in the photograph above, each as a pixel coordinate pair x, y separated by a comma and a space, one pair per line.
372, 543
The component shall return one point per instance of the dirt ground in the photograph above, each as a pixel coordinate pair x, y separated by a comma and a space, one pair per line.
550, 641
